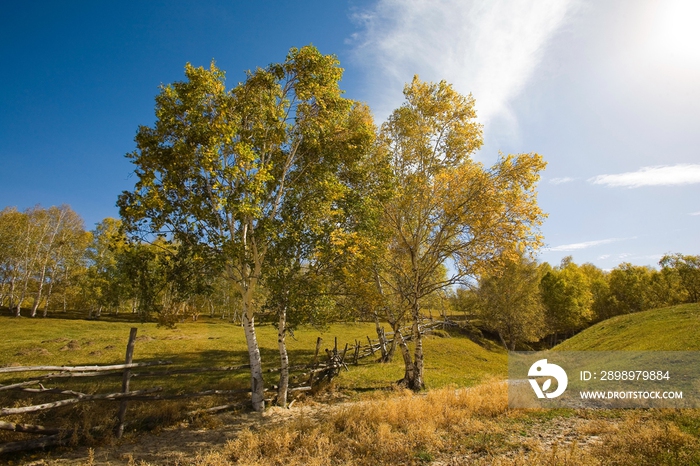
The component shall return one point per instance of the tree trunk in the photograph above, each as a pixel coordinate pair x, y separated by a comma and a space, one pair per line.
413, 377
48, 298
256, 379
395, 326
37, 298
410, 368
284, 358
11, 293
417, 382
382, 338
503, 341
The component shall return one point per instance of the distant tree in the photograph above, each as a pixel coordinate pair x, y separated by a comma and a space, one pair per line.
64, 250
12, 225
567, 298
687, 269
70, 266
601, 304
510, 305
103, 284
217, 168
630, 288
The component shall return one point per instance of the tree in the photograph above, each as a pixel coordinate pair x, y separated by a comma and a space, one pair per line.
104, 285
567, 298
217, 168
688, 269
11, 242
448, 209
39, 249
602, 303
630, 288
510, 304
67, 242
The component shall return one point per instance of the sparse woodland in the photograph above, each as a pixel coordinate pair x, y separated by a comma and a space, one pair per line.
280, 201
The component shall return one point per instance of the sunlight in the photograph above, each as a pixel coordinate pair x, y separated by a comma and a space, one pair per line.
675, 36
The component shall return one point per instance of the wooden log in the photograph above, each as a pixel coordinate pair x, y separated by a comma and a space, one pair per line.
18, 385
28, 428
371, 347
145, 397
82, 368
53, 390
119, 431
70, 401
48, 441
216, 409
169, 372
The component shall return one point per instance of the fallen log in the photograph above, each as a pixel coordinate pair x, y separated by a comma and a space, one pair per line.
82, 368
145, 397
18, 385
70, 401
28, 428
48, 441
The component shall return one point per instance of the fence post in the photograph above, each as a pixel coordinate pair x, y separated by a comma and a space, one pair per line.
125, 381
315, 361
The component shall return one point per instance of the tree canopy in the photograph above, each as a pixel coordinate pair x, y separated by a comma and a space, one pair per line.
220, 170
448, 209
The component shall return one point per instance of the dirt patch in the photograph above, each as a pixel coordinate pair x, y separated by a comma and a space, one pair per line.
95, 353
108, 347
145, 338
33, 352
56, 340
12, 364
71, 346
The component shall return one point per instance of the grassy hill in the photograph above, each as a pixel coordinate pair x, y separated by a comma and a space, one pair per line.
675, 328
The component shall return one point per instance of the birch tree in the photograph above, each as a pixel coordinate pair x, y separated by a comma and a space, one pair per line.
216, 169
449, 210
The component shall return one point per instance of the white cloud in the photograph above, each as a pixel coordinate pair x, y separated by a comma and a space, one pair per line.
663, 175
695, 213
585, 244
563, 180
604, 256
490, 49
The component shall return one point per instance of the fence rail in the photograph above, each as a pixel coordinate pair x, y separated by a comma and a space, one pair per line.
311, 374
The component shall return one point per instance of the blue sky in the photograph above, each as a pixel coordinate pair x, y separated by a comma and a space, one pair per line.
606, 91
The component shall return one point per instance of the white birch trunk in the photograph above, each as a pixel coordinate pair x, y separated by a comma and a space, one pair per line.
256, 379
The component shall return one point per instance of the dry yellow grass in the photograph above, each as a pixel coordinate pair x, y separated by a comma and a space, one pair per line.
472, 426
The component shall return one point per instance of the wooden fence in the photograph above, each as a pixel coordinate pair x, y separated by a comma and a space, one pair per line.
306, 376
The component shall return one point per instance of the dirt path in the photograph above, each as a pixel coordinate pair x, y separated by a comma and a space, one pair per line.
180, 444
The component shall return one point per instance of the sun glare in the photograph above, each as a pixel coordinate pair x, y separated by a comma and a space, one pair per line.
675, 36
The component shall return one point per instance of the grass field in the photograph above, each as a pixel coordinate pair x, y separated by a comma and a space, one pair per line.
674, 328
212, 342
473, 426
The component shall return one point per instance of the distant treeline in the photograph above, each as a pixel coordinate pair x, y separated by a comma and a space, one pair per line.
49, 263
527, 302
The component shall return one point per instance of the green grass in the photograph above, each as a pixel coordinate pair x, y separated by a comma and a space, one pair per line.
450, 360
212, 342
667, 329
